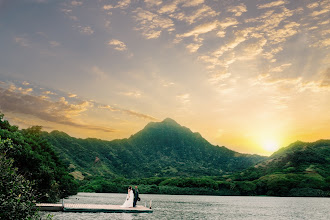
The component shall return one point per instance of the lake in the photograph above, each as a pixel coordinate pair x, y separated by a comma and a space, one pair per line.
204, 207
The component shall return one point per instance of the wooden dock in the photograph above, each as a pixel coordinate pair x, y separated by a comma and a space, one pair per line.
67, 207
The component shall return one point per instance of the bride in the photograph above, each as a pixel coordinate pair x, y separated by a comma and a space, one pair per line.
129, 199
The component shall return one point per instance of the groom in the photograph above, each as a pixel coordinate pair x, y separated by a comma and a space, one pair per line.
136, 196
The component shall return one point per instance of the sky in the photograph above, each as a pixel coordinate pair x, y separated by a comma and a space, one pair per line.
253, 75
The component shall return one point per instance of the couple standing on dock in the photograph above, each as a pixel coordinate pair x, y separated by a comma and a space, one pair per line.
132, 197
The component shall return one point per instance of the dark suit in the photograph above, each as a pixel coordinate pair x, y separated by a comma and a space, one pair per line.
136, 196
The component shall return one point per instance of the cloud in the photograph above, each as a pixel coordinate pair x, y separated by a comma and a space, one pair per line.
313, 5
193, 47
135, 94
221, 33
317, 13
270, 54
151, 3
129, 112
100, 74
76, 3
49, 93
200, 29
169, 8
86, 30
239, 37
152, 24
184, 98
203, 12
272, 4
122, 4
237, 10
227, 22
219, 76
13, 88
192, 3
54, 43
280, 68
282, 34
71, 95
60, 112
325, 82
66, 11
107, 7
22, 41
118, 45
251, 49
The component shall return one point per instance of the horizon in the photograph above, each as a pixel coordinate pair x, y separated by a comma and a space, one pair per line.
251, 76
267, 155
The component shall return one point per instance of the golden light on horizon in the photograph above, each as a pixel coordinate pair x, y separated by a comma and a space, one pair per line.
254, 80
270, 145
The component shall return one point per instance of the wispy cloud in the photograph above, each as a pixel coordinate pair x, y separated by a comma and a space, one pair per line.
129, 112
200, 29
22, 41
152, 24
198, 14
76, 3
135, 94
86, 30
152, 3
325, 82
272, 4
121, 4
184, 98
71, 95
98, 73
118, 45
193, 47
238, 10
54, 43
192, 3
60, 111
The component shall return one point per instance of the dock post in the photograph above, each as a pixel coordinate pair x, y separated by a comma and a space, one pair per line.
62, 204
150, 204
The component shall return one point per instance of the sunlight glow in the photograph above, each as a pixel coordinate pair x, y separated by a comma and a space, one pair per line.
270, 145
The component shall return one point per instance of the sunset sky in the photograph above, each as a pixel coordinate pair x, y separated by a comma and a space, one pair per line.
249, 75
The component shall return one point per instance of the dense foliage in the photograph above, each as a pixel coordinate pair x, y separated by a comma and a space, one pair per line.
37, 162
301, 169
163, 149
17, 197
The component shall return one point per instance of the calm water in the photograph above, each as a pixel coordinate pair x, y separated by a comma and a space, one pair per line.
205, 207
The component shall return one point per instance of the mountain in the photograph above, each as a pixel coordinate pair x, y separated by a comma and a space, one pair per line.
160, 149
298, 169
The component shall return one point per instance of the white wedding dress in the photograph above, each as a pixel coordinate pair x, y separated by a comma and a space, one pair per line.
129, 200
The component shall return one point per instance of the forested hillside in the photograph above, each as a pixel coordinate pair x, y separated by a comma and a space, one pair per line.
162, 149
30, 171
299, 169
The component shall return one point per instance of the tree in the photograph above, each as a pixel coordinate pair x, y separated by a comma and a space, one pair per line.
17, 197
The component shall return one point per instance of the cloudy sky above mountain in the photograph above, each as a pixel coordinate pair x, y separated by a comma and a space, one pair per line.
251, 75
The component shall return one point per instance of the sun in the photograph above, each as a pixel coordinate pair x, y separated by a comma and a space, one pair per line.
270, 145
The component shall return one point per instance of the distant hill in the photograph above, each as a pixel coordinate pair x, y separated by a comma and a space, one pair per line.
300, 168
160, 149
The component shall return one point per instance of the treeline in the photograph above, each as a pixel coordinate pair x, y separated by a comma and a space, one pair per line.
271, 185
30, 172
